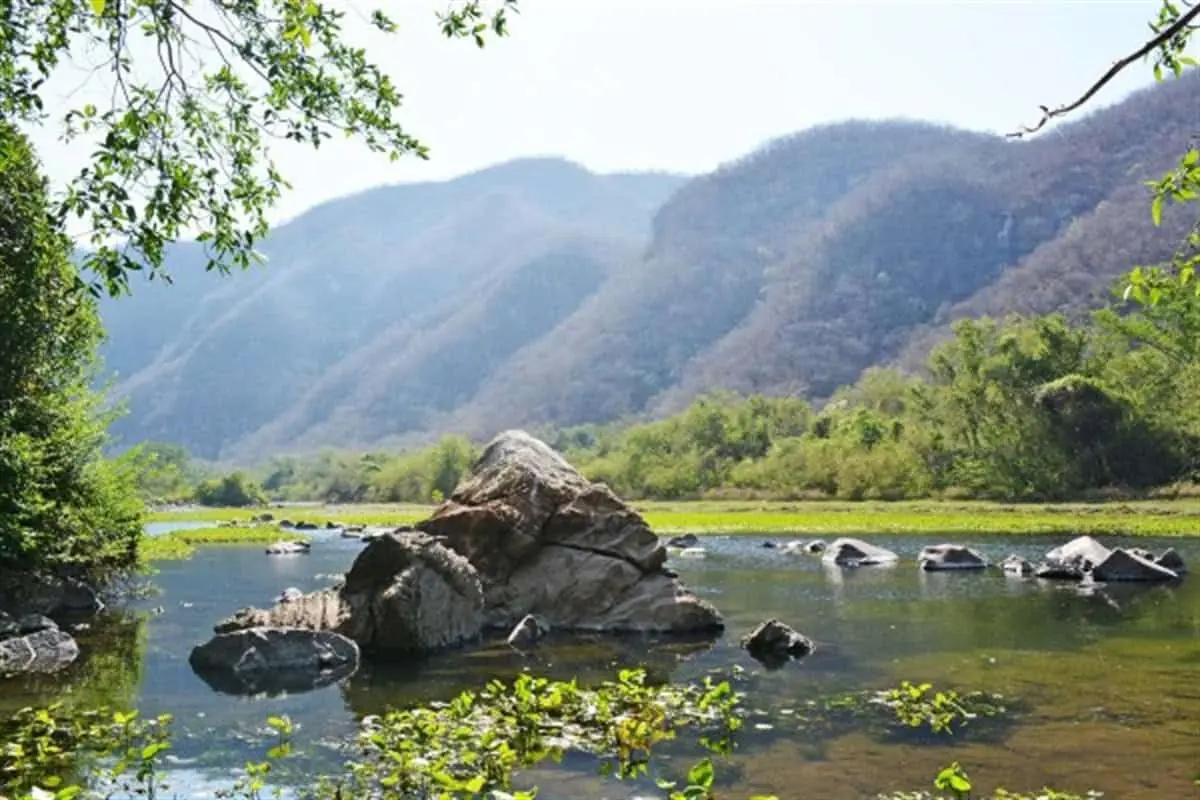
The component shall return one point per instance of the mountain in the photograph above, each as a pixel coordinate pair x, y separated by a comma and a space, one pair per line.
381, 309
536, 292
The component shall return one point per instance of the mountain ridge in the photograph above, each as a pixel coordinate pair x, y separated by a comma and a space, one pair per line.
536, 292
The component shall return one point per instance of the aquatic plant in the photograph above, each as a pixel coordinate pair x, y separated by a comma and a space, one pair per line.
471, 745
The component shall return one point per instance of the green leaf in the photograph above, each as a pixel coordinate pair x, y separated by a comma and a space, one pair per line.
97, 7
1156, 209
701, 774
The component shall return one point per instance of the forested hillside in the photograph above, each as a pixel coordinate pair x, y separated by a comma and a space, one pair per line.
536, 293
375, 312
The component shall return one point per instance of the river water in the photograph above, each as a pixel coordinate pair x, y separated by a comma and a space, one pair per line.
1107, 680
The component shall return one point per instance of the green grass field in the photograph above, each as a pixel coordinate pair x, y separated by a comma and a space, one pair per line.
1142, 517
181, 544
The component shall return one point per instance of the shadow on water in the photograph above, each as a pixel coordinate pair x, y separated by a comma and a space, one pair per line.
1102, 675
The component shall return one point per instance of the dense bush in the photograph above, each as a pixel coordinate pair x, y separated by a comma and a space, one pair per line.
63, 506
234, 491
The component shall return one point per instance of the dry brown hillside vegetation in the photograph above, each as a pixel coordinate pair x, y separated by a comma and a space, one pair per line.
539, 293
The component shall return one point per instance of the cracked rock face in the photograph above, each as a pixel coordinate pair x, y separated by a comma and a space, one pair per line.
406, 594
546, 541
526, 534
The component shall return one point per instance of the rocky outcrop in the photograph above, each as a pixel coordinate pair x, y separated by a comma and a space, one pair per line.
525, 536
938, 557
773, 644
405, 594
274, 660
36, 593
1084, 557
548, 542
33, 643
857, 553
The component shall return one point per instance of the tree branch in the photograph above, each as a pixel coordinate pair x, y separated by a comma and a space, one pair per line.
1167, 34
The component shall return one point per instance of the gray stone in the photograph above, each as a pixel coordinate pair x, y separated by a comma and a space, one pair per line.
1124, 566
528, 632
686, 540
773, 644
274, 660
288, 548
45, 650
940, 557
1172, 561
1073, 560
1015, 565
847, 552
405, 594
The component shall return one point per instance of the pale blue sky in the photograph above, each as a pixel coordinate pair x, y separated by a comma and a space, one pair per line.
687, 84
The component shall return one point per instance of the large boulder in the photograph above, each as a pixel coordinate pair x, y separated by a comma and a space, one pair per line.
274, 660
546, 541
405, 594
847, 552
33, 643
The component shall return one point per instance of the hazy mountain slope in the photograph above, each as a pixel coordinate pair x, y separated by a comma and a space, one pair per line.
703, 273
536, 292
207, 362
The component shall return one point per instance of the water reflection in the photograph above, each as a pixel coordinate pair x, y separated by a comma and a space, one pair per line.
1057, 643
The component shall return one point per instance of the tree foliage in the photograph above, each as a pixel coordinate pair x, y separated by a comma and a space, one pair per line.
199, 92
62, 505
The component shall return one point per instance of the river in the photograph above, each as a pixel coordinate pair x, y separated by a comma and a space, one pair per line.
1106, 678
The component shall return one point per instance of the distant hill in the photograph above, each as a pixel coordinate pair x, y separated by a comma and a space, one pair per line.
536, 292
376, 312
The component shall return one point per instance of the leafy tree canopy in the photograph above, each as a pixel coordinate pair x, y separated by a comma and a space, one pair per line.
199, 90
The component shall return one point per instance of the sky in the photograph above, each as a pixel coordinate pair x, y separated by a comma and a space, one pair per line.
685, 85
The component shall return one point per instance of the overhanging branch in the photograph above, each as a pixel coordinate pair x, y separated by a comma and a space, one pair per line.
1167, 34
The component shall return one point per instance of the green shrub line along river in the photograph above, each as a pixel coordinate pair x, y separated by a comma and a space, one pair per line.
1100, 681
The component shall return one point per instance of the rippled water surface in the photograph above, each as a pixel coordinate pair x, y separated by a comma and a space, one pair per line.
1108, 680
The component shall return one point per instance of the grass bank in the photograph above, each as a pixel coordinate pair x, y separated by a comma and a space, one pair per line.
935, 518
181, 544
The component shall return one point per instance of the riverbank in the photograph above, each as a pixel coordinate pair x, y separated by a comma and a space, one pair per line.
824, 518
182, 543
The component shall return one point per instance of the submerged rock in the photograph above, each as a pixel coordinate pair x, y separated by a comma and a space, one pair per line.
939, 557
687, 540
1122, 565
1172, 561
816, 547
274, 660
1073, 560
547, 541
773, 644
528, 631
1085, 558
288, 548
857, 553
1015, 565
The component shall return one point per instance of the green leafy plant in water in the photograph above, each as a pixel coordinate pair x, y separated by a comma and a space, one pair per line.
45, 750
943, 711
